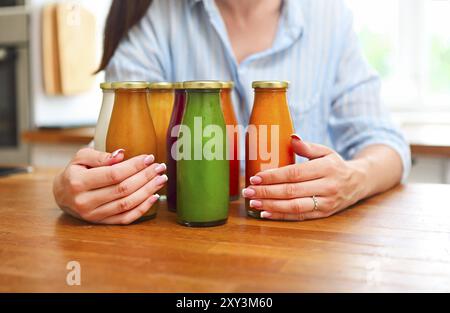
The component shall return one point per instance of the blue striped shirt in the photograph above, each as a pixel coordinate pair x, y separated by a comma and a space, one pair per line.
334, 96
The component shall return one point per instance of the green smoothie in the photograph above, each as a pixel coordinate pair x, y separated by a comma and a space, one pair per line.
202, 167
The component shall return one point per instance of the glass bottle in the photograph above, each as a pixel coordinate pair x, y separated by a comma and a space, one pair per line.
161, 100
131, 126
270, 114
101, 129
175, 120
233, 137
202, 166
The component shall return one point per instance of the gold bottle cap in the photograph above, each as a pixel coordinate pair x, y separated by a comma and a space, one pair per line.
178, 85
106, 86
160, 85
203, 84
270, 84
227, 85
130, 85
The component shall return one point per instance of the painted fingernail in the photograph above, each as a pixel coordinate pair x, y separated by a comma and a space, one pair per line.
160, 168
296, 137
149, 159
255, 180
265, 214
255, 204
161, 179
154, 197
116, 153
248, 192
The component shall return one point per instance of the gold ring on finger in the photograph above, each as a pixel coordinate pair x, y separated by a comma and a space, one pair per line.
316, 203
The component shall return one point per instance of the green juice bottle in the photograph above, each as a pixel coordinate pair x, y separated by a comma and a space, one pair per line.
202, 165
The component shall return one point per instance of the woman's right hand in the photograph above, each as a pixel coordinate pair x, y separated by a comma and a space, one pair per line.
99, 188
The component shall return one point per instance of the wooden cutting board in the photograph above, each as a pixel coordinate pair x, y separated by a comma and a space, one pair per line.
77, 47
50, 51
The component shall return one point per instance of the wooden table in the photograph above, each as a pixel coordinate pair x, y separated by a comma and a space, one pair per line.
398, 241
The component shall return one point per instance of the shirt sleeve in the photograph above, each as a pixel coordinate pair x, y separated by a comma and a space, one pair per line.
143, 54
358, 116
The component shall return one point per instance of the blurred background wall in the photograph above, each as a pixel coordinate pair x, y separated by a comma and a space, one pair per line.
63, 111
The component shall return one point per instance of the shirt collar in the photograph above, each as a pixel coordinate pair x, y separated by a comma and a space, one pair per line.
194, 2
292, 14
291, 23
290, 28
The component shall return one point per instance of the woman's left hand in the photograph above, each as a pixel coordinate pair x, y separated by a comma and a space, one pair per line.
287, 193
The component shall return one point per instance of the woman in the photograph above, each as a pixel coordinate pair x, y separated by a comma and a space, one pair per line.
353, 147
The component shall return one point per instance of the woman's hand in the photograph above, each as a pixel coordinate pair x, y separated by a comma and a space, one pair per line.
99, 188
287, 193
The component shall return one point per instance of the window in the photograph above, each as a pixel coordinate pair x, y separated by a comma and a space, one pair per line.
408, 43
438, 54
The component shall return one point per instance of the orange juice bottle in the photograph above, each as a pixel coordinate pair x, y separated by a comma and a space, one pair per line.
160, 100
233, 137
267, 140
131, 126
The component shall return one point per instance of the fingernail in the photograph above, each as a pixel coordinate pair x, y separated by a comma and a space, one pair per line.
116, 153
255, 180
161, 179
265, 214
296, 137
149, 159
160, 168
248, 192
255, 204
155, 197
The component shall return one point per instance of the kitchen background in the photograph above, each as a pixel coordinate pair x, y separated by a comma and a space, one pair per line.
43, 122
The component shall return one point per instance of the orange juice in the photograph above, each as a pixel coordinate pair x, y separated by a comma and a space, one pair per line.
268, 141
131, 126
160, 101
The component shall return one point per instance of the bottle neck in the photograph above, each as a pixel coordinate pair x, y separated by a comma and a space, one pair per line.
164, 91
199, 96
131, 97
226, 98
275, 96
180, 95
129, 91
